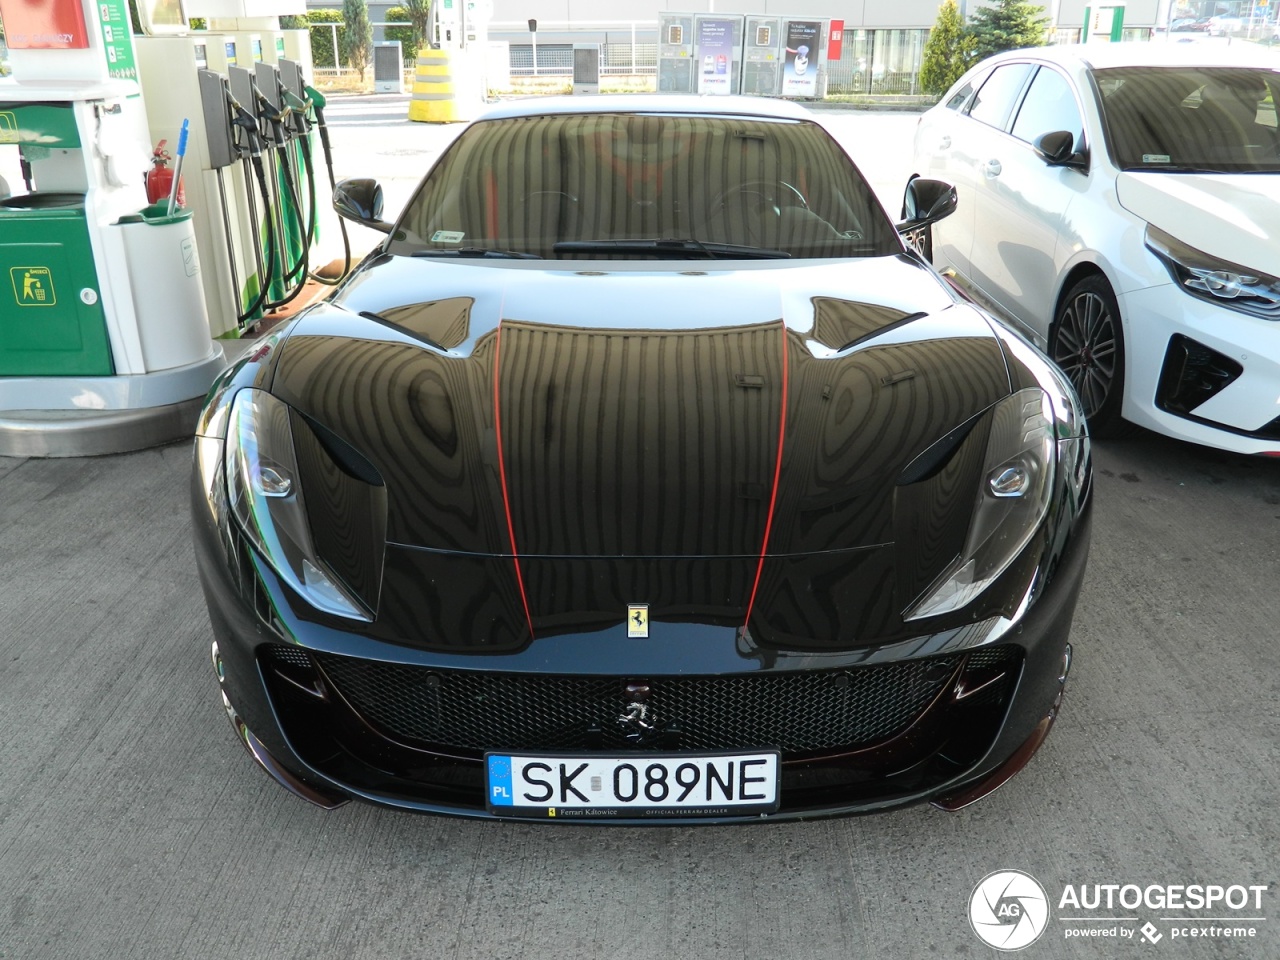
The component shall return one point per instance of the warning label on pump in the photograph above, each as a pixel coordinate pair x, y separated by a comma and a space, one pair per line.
33, 286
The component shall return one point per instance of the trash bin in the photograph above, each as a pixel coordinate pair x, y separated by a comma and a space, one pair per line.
168, 296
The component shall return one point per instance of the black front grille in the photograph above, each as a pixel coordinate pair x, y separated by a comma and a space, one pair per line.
795, 712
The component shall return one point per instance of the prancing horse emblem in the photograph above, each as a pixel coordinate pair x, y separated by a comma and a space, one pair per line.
639, 724
637, 620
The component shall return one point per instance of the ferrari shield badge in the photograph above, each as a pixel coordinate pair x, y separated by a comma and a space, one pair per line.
637, 620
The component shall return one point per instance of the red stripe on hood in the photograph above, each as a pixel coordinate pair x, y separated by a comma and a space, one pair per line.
777, 473
502, 476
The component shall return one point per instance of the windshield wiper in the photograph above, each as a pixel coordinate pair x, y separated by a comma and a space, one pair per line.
487, 252
690, 247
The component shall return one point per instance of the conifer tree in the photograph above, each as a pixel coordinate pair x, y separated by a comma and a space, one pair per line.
1007, 25
947, 52
357, 39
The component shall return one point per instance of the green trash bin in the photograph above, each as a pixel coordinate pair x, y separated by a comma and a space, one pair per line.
51, 318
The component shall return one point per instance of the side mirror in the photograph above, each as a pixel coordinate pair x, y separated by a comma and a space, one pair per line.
360, 200
926, 202
1057, 149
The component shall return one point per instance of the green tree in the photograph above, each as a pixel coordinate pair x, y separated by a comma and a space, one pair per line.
356, 47
948, 51
322, 37
419, 12
1007, 25
403, 34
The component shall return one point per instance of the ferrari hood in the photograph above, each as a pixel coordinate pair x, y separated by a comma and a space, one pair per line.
623, 411
1235, 217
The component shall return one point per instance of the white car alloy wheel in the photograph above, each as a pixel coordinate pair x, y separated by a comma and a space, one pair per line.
1089, 347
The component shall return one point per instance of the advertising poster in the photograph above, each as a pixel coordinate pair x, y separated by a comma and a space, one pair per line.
44, 24
715, 56
800, 75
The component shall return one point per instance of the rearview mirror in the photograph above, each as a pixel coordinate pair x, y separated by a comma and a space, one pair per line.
926, 202
1057, 149
360, 200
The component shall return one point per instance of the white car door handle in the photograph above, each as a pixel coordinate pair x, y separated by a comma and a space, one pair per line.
944, 143
993, 169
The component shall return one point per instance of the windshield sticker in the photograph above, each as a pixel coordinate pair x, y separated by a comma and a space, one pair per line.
455, 236
1155, 158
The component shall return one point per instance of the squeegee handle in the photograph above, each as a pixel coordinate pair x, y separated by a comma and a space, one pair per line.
177, 167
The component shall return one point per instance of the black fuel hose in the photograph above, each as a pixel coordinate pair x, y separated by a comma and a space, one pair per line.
317, 105
240, 117
302, 267
265, 286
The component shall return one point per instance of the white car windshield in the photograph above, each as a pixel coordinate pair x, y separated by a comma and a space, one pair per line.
637, 186
1191, 119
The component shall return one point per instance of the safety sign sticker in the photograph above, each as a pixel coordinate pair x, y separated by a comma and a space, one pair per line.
33, 286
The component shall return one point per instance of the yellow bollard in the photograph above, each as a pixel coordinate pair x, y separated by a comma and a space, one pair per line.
433, 100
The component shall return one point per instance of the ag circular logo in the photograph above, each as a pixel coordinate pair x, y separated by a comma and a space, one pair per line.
1008, 910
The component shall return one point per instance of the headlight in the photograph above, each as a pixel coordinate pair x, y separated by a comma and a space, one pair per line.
266, 497
1012, 500
1217, 281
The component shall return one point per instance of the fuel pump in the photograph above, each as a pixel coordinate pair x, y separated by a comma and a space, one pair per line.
234, 138
104, 339
280, 134
307, 113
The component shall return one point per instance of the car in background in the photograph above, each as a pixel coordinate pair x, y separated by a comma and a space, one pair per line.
1226, 26
642, 473
1121, 202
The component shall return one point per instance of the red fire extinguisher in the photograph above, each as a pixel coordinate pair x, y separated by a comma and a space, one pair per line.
160, 178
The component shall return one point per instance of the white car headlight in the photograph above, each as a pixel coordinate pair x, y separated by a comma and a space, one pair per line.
265, 493
1217, 281
1012, 500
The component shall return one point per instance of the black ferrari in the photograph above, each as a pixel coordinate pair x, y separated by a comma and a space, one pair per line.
644, 473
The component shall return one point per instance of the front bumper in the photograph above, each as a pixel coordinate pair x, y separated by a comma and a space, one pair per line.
993, 685
1240, 416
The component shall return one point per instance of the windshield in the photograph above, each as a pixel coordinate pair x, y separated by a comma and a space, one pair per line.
1191, 119
628, 186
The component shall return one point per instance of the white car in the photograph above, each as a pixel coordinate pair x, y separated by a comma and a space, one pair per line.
1122, 203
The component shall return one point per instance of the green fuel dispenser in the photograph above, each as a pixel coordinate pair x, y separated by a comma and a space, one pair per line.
104, 335
51, 316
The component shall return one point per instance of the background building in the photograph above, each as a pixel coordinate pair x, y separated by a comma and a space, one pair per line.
883, 41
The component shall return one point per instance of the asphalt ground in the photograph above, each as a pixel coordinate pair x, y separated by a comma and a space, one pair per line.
132, 825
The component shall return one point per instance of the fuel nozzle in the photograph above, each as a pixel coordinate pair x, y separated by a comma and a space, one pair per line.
298, 109
292, 97
246, 121
277, 117
318, 101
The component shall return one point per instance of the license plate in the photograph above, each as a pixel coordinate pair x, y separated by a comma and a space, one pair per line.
640, 785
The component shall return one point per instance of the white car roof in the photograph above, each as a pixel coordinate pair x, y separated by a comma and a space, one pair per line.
1155, 53
649, 103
